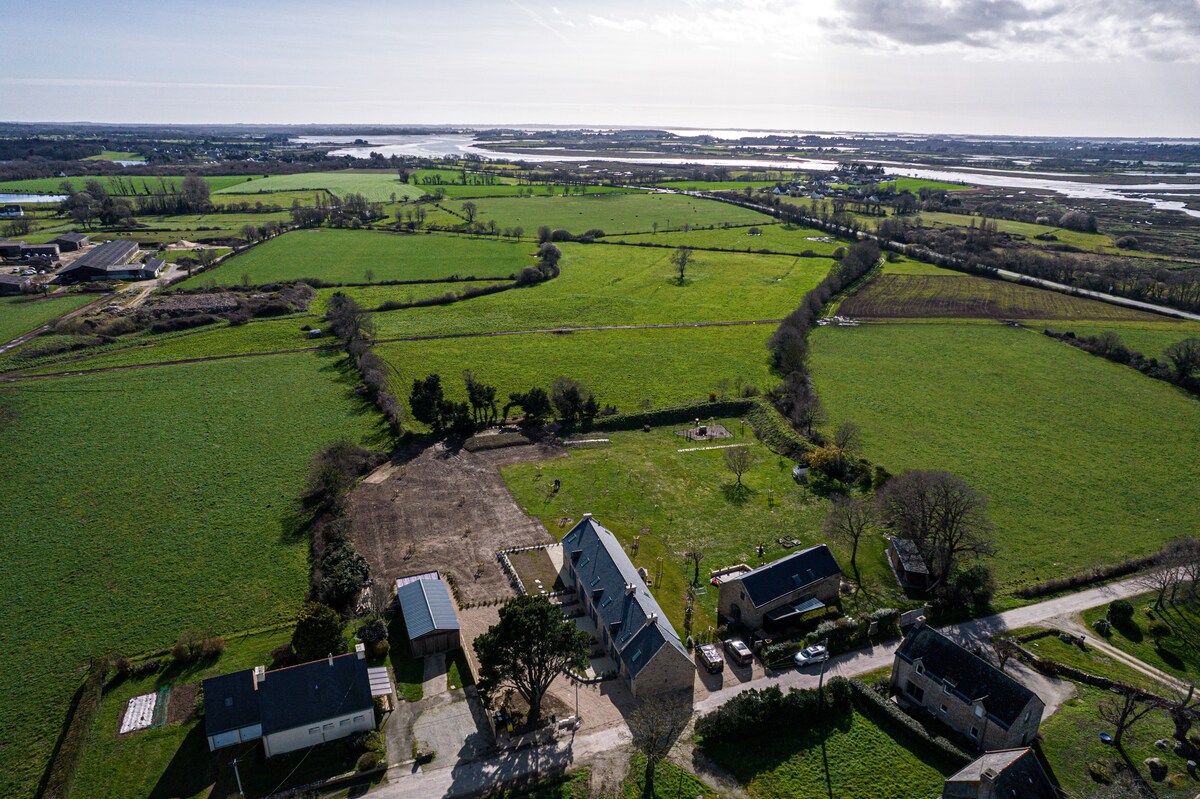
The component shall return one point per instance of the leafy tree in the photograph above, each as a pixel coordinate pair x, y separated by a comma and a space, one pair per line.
482, 399
319, 632
535, 403
527, 649
426, 401
1184, 357
681, 259
334, 471
569, 398
469, 210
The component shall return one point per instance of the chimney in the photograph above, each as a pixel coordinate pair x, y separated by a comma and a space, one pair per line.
989, 774
587, 515
360, 649
630, 588
331, 660
260, 675
652, 618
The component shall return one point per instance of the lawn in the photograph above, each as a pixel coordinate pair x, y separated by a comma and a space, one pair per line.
373, 296
19, 315
864, 761
1092, 661
169, 760
344, 256
612, 213
641, 485
909, 296
377, 187
1070, 741
119, 184
1085, 461
141, 504
771, 237
626, 368
114, 155
602, 285
1178, 654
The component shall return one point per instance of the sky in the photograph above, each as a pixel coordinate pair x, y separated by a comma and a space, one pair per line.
993, 67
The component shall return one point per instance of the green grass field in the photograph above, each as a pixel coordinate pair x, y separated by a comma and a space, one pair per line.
115, 155
916, 184
640, 484
1090, 660
773, 237
373, 296
117, 184
1085, 461
141, 504
1148, 338
864, 761
344, 256
378, 187
612, 213
1091, 242
1178, 654
719, 185
909, 296
19, 315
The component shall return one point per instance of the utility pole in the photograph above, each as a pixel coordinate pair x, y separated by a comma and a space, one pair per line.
238, 775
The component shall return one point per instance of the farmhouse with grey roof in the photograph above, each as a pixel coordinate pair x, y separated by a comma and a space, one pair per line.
630, 625
290, 708
965, 692
1004, 774
429, 615
783, 592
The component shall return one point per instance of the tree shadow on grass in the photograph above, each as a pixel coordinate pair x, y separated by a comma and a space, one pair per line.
737, 494
747, 758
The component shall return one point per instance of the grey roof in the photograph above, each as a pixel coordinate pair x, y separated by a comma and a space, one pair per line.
1012, 772
154, 264
633, 618
312, 692
16, 280
230, 702
781, 577
74, 238
968, 676
790, 609
910, 556
426, 606
110, 256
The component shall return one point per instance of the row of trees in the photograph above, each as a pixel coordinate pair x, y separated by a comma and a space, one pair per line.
567, 396
1180, 364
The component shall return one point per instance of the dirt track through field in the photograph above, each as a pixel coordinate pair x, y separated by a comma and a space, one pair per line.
450, 511
559, 330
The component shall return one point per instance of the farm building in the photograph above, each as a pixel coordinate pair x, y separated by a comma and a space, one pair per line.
10, 249
290, 708
908, 563
429, 615
1001, 775
780, 594
630, 625
964, 692
15, 284
39, 252
69, 242
109, 261
11, 211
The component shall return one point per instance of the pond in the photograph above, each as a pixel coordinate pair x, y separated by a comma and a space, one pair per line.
31, 198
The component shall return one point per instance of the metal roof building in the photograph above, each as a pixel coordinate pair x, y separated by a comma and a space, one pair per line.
429, 614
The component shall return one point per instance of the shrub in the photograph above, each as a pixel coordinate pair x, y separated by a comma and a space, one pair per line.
194, 645
368, 761
872, 704
759, 712
1159, 630
1102, 627
1127, 243
1120, 611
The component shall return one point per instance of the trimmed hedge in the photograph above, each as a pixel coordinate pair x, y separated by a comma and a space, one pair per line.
762, 712
877, 707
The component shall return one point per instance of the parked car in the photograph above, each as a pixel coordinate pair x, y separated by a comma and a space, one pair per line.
739, 653
817, 653
710, 657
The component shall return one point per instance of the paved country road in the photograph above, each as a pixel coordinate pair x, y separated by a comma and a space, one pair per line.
468, 779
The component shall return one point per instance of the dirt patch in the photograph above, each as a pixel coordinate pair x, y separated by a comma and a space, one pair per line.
181, 703
536, 570
434, 509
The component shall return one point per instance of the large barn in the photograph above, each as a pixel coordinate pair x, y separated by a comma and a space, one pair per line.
110, 261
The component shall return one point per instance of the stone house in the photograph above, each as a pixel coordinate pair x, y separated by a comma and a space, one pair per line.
1004, 774
777, 595
966, 693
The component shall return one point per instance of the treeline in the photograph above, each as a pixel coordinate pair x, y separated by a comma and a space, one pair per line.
352, 211
567, 397
355, 330
1181, 364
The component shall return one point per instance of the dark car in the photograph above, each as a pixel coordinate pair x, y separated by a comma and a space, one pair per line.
710, 657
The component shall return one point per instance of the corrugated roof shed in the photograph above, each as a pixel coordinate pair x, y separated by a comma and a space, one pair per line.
426, 606
781, 577
117, 252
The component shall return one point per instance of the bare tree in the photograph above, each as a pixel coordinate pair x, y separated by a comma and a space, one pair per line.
655, 726
738, 461
847, 522
1004, 648
369, 275
1123, 711
695, 548
848, 437
942, 514
681, 258
1184, 708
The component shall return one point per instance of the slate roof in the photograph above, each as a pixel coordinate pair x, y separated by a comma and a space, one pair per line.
781, 577
971, 677
230, 702
426, 606
1014, 773
604, 570
312, 692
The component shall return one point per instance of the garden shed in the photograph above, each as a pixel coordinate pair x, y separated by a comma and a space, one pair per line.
429, 614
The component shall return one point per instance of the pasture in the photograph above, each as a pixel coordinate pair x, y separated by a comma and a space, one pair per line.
612, 213
1045, 430
909, 296
201, 534
115, 155
627, 368
916, 184
642, 485
125, 185
772, 237
602, 285
345, 256
19, 315
1148, 338
376, 187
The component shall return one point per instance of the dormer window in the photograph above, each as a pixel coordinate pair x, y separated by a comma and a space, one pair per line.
920, 669
979, 711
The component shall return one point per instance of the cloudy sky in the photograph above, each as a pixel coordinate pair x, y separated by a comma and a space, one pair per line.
1036, 67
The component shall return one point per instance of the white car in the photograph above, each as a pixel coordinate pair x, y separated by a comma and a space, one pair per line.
817, 653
